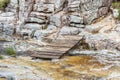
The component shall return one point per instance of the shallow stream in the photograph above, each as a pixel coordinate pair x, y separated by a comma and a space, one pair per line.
102, 66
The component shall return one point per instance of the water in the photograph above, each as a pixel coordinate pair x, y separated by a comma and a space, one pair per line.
101, 65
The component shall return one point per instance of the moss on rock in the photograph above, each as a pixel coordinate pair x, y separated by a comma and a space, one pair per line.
3, 4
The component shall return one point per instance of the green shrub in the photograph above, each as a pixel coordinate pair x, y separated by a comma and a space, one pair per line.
119, 15
44, 27
1, 57
3, 3
117, 6
10, 51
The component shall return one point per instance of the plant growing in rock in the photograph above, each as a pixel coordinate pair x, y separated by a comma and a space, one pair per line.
119, 14
117, 6
3, 4
1, 57
10, 51
44, 27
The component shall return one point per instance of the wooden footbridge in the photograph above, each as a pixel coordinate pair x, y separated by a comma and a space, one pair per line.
55, 49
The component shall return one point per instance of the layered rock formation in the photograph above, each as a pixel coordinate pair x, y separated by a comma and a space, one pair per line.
37, 18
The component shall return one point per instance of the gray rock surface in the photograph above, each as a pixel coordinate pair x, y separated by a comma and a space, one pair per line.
36, 19
69, 31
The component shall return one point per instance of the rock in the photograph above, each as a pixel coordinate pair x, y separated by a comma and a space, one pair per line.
26, 33
101, 41
69, 30
40, 34
7, 19
59, 4
7, 14
39, 15
35, 20
102, 11
105, 25
115, 13
33, 26
14, 1
74, 5
6, 29
56, 19
93, 28
76, 19
48, 8
89, 16
77, 25
51, 27
45, 1
118, 27
92, 9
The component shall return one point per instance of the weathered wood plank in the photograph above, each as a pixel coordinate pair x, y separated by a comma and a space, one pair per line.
57, 48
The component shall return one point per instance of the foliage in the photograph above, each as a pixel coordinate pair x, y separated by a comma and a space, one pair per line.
10, 51
119, 15
3, 4
44, 27
1, 57
117, 6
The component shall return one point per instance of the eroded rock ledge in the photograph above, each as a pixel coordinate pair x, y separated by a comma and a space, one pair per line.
35, 19
31, 17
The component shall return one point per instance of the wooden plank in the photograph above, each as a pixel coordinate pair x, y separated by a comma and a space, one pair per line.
61, 40
77, 37
52, 49
64, 43
56, 49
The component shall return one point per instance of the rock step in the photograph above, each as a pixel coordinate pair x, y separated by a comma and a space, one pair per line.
51, 53
45, 56
53, 49
56, 49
